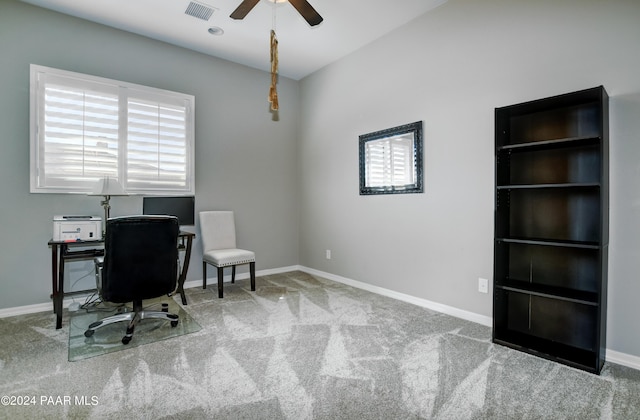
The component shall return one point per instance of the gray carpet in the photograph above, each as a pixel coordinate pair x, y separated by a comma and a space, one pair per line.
302, 347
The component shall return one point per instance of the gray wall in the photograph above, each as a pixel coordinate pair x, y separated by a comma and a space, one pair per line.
244, 161
451, 68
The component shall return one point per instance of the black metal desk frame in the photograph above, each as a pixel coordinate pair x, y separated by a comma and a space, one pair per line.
61, 253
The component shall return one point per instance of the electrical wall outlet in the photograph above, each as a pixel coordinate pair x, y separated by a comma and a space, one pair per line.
483, 285
327, 254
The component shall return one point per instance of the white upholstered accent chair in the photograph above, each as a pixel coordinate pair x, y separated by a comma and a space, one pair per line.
218, 233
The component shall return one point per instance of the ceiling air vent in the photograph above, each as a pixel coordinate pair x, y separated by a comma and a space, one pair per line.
199, 10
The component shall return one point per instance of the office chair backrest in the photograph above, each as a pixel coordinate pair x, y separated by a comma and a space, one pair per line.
141, 258
218, 230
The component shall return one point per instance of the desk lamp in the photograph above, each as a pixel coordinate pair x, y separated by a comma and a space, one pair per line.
107, 187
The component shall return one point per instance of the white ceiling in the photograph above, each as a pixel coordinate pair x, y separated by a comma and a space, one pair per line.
347, 26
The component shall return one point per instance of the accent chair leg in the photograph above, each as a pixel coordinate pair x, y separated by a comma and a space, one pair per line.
233, 274
220, 278
252, 271
204, 275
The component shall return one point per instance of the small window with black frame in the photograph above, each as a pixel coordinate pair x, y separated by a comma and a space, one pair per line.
391, 160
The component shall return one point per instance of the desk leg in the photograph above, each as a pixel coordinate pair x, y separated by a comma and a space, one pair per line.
57, 262
185, 269
54, 275
60, 287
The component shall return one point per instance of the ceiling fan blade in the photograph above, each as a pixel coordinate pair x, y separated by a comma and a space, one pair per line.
307, 11
244, 8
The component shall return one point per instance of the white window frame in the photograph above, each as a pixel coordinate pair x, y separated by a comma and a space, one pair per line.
174, 166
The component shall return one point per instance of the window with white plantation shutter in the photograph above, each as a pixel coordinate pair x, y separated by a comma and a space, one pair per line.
389, 161
157, 147
84, 128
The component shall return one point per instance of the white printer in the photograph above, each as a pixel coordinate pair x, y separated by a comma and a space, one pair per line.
77, 228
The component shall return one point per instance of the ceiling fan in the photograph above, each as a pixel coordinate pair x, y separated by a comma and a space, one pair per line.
302, 6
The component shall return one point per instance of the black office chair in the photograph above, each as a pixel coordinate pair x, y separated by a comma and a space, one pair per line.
140, 262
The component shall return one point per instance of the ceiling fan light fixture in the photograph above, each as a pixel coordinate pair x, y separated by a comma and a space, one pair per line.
215, 30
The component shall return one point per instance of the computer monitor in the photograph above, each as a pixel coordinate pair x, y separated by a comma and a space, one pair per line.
181, 207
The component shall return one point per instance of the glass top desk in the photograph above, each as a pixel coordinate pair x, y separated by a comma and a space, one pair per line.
63, 251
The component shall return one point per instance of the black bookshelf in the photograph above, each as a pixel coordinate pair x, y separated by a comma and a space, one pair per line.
551, 227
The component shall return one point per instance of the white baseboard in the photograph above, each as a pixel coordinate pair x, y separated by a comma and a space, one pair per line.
612, 356
239, 276
48, 306
445, 309
27, 309
40, 307
623, 359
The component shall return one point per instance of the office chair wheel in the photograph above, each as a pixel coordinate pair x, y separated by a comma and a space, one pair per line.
89, 333
126, 339
174, 324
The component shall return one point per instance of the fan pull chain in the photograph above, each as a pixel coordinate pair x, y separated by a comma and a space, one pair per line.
273, 15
